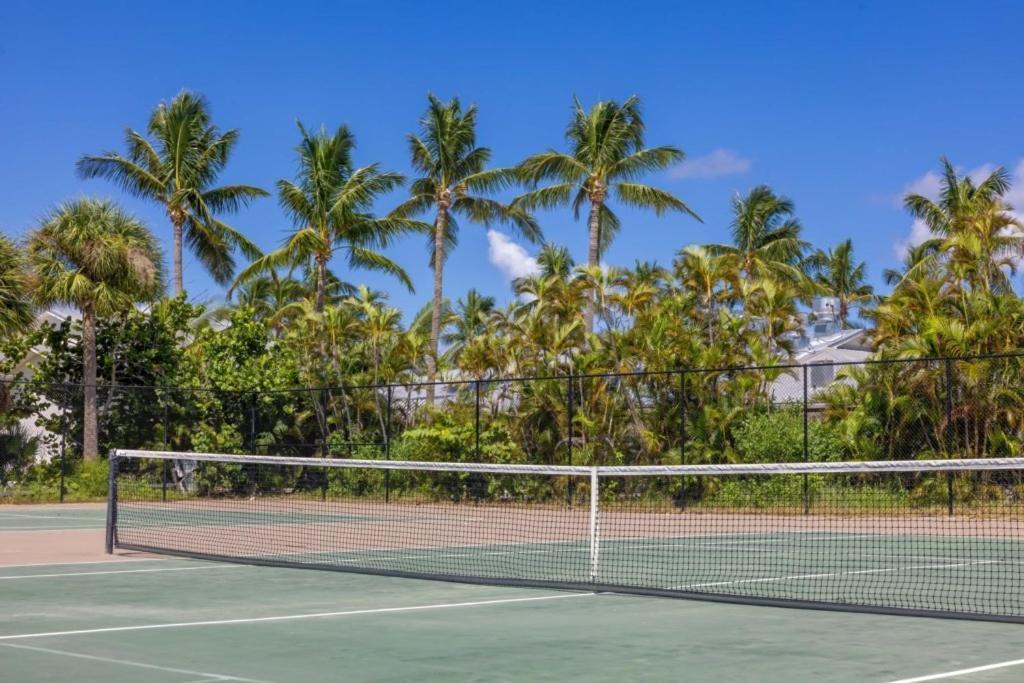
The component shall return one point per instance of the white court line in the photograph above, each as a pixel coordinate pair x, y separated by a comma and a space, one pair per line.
9, 529
122, 571
611, 545
68, 564
961, 672
142, 665
16, 514
796, 577
294, 617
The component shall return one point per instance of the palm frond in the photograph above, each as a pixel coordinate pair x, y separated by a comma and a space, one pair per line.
550, 197
369, 259
647, 197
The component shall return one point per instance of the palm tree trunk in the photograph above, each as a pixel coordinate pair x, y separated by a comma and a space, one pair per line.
440, 228
321, 283
90, 429
179, 284
594, 225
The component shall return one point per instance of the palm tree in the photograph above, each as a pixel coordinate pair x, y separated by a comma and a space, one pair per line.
704, 273
468, 321
555, 261
15, 307
454, 175
331, 209
840, 275
765, 235
91, 254
606, 155
917, 262
981, 237
176, 167
771, 303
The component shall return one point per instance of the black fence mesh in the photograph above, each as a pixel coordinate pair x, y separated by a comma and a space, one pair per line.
879, 410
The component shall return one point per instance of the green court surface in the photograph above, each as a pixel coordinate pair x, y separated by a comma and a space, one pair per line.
148, 619
50, 517
916, 571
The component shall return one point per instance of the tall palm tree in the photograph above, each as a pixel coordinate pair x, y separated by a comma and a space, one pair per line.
838, 273
176, 167
15, 307
92, 255
453, 179
982, 239
331, 209
765, 235
606, 155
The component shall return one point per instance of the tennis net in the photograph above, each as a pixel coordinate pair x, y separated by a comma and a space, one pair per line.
935, 538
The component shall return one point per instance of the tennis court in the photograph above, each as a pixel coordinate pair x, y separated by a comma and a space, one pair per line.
90, 617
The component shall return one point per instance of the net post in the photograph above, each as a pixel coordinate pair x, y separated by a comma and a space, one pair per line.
594, 529
111, 524
807, 450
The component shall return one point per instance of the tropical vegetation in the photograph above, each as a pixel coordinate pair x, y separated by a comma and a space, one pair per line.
92, 255
687, 360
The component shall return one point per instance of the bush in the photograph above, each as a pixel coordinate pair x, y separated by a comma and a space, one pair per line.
778, 436
83, 481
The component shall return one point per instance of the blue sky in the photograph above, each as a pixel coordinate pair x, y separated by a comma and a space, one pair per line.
839, 105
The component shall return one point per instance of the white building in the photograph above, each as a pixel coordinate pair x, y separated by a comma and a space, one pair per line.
823, 346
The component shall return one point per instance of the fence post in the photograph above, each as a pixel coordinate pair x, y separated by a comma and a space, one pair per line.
323, 423
165, 464
807, 451
950, 433
324, 452
63, 449
476, 419
252, 424
682, 417
570, 414
387, 446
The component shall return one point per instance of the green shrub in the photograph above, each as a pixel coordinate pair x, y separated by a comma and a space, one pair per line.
778, 436
40, 483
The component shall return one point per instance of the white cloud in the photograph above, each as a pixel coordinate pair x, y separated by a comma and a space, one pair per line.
508, 257
981, 172
927, 185
919, 232
720, 162
1015, 196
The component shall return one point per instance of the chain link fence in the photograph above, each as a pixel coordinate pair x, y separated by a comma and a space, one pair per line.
873, 410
